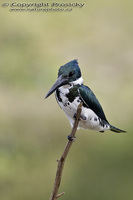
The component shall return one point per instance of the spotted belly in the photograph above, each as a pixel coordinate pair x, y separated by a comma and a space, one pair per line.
88, 119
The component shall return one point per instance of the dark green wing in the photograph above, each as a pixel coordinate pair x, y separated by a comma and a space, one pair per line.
90, 101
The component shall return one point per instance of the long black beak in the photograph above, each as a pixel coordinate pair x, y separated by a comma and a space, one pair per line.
59, 82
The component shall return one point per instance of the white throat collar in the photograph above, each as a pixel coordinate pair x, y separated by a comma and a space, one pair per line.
78, 81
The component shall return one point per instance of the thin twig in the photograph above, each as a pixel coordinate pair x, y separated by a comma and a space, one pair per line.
59, 195
62, 159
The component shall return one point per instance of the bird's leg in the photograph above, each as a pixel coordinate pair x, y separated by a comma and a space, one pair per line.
70, 138
81, 117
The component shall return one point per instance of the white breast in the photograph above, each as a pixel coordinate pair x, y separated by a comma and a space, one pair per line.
70, 108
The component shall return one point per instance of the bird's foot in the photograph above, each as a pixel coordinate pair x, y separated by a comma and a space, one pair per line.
70, 138
81, 117
75, 116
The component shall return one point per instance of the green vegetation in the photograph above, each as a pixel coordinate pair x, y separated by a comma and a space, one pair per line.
33, 131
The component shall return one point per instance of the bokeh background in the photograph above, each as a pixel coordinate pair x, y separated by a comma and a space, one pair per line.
33, 131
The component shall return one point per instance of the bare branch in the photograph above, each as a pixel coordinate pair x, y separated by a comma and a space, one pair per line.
62, 159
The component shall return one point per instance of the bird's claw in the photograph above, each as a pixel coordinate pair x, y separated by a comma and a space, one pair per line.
75, 116
81, 117
70, 138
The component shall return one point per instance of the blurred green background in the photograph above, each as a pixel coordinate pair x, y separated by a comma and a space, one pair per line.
33, 131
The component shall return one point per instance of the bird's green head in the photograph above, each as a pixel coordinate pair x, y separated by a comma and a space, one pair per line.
70, 71
67, 73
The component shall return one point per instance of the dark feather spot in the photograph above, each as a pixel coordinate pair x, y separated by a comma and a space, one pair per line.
66, 103
58, 95
101, 123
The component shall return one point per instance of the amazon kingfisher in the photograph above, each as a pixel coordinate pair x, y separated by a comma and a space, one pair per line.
70, 91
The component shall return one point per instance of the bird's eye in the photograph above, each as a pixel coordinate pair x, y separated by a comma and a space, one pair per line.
71, 73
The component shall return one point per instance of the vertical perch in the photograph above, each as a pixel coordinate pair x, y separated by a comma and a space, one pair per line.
61, 161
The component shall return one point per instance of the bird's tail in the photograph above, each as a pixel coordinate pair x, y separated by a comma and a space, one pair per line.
117, 130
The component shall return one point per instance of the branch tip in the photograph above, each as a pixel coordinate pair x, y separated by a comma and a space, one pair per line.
59, 195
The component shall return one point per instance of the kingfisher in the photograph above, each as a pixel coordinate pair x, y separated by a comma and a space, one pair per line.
70, 92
